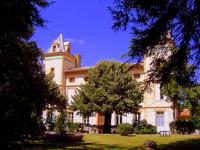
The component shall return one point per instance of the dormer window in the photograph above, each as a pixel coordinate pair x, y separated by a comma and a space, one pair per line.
54, 48
86, 79
136, 76
71, 79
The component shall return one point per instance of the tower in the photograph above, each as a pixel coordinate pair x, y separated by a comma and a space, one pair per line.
58, 59
156, 109
161, 51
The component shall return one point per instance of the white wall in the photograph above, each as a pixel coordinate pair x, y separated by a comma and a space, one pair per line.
113, 119
79, 79
70, 93
44, 116
56, 63
127, 118
93, 120
151, 117
77, 118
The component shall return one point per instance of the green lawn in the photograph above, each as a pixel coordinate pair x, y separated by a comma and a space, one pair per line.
112, 141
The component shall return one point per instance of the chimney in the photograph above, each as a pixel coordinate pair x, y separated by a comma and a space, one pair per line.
78, 60
67, 46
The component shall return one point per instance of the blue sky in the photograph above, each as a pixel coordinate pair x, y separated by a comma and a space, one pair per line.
88, 25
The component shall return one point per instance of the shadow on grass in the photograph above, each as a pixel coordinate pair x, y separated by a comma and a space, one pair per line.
193, 144
43, 145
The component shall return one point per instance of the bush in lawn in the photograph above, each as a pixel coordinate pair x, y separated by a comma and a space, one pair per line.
73, 127
150, 145
38, 128
61, 123
184, 126
172, 127
196, 124
124, 129
142, 127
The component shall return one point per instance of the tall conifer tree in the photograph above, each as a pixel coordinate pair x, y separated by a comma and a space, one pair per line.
149, 20
24, 89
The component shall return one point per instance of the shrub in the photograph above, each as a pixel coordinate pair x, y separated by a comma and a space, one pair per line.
37, 127
150, 145
196, 124
73, 127
142, 127
172, 127
61, 123
184, 126
124, 129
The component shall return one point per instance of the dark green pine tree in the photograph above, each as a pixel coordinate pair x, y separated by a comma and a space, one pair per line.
110, 87
24, 90
148, 21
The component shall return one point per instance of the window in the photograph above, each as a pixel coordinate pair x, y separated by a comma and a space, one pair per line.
161, 95
86, 79
50, 117
136, 75
136, 117
52, 72
158, 62
86, 120
71, 79
160, 118
118, 119
100, 119
70, 116
54, 48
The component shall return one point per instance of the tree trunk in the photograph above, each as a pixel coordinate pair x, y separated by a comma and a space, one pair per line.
107, 123
174, 114
193, 109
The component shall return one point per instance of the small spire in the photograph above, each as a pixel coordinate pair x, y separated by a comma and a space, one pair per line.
62, 43
57, 45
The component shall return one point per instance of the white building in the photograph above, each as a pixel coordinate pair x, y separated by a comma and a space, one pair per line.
69, 75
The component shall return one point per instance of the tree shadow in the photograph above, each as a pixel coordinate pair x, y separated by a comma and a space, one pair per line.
192, 144
43, 145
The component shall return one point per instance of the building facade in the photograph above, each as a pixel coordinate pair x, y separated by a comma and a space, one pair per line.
69, 75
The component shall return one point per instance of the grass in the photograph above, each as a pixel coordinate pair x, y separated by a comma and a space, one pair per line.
117, 142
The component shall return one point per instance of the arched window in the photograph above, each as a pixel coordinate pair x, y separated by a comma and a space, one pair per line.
54, 48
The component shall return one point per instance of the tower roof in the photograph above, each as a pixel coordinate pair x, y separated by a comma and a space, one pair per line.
59, 45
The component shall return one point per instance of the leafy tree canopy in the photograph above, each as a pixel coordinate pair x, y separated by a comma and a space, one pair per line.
109, 88
190, 99
187, 96
24, 88
19, 19
149, 20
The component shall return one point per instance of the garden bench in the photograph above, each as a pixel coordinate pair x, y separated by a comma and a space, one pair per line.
165, 133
